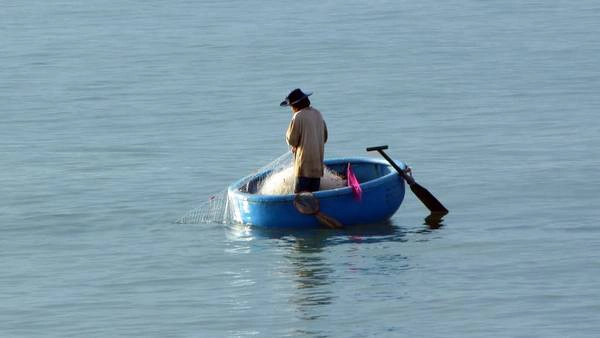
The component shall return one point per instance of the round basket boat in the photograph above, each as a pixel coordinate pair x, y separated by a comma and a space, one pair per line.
383, 192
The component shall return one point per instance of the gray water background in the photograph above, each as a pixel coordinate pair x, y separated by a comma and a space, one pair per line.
117, 117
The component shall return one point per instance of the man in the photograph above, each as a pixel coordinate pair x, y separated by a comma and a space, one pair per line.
306, 134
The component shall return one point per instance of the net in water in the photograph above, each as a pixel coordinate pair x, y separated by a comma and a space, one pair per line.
216, 209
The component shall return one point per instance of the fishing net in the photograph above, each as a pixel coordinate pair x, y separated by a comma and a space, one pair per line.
280, 180
216, 209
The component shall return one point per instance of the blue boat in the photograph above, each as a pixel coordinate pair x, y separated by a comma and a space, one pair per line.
383, 192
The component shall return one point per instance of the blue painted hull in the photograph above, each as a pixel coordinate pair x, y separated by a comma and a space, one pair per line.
383, 192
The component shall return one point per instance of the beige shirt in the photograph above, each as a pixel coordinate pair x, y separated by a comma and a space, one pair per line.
308, 133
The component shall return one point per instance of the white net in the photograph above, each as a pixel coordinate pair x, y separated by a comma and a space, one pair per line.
216, 208
280, 180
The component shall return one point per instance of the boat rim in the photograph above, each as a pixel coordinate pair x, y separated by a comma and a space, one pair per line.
234, 188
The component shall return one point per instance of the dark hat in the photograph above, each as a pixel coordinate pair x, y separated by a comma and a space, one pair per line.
294, 97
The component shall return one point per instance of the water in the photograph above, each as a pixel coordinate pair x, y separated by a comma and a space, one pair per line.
117, 117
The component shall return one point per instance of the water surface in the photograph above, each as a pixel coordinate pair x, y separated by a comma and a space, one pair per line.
118, 117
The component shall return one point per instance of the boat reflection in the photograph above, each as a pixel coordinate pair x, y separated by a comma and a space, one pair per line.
311, 273
314, 259
385, 231
310, 263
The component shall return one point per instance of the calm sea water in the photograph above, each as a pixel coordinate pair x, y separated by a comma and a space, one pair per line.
117, 117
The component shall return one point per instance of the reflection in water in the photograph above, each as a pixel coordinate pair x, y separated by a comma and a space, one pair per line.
312, 259
320, 237
434, 220
311, 275
239, 236
313, 267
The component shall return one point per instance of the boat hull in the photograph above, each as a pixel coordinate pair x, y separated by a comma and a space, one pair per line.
383, 193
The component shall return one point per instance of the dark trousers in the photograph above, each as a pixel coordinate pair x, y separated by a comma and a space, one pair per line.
309, 184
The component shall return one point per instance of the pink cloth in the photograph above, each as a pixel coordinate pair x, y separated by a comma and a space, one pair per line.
353, 183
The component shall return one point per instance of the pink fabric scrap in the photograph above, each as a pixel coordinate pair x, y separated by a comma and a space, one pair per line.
353, 183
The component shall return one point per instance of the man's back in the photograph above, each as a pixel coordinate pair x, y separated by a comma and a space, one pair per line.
308, 133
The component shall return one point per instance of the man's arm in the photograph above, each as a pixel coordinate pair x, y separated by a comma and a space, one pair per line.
292, 136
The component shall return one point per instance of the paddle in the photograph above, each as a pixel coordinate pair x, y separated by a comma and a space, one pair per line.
423, 194
306, 203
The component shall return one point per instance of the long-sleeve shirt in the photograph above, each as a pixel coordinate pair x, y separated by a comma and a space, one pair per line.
308, 133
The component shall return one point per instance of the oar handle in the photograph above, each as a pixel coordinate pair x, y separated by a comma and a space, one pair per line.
377, 148
380, 149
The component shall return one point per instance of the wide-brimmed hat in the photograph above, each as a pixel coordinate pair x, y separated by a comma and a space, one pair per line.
294, 97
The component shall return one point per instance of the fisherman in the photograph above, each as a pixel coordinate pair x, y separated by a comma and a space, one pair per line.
306, 135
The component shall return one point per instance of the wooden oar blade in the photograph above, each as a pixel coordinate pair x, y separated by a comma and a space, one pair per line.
328, 221
428, 199
306, 203
423, 194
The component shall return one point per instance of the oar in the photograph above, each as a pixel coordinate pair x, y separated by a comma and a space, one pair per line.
306, 203
423, 194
